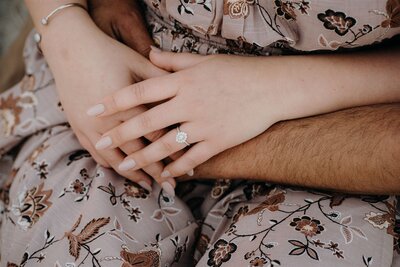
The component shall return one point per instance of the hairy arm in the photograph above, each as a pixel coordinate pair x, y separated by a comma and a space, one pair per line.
355, 150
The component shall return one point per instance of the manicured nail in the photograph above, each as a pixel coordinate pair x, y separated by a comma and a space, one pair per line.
145, 186
127, 165
168, 188
104, 143
155, 49
165, 174
96, 110
190, 173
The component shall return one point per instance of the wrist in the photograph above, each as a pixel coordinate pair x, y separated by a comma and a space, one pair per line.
305, 87
70, 39
66, 29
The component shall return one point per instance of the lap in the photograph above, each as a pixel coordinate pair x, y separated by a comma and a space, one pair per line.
62, 207
262, 225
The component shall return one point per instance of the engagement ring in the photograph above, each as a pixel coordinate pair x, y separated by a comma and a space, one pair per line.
181, 137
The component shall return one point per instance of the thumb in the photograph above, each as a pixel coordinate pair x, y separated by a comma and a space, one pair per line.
171, 62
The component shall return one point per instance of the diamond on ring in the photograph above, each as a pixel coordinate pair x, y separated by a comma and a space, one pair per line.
181, 137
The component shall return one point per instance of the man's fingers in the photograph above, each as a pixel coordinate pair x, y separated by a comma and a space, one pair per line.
172, 62
136, 37
148, 91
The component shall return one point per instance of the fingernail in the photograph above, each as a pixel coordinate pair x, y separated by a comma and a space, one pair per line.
190, 173
127, 165
104, 143
168, 188
155, 49
96, 110
145, 186
165, 174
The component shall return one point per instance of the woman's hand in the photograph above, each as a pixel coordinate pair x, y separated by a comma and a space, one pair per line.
219, 101
87, 65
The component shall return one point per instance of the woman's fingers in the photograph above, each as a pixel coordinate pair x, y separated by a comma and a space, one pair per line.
148, 91
157, 118
158, 150
154, 170
86, 144
195, 156
114, 157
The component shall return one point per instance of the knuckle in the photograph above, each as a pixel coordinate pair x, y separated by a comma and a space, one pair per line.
166, 146
190, 161
140, 158
145, 121
114, 164
138, 92
111, 103
118, 135
153, 136
131, 147
153, 170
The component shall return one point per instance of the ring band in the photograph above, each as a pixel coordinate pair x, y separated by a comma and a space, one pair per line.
181, 137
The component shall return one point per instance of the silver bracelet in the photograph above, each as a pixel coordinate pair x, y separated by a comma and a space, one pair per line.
45, 21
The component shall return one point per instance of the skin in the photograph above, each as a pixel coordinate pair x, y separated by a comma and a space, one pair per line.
315, 151
354, 150
291, 169
107, 65
217, 114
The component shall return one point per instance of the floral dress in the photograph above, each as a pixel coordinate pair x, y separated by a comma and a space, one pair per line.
59, 208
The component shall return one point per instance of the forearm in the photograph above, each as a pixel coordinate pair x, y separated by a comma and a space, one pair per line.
312, 85
355, 150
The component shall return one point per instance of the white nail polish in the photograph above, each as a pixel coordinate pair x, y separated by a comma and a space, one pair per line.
168, 188
127, 165
190, 173
165, 174
104, 143
145, 186
96, 110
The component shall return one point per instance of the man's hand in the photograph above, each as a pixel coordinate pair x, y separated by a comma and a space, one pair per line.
122, 20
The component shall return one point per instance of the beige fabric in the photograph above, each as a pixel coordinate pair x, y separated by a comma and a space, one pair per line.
305, 25
59, 208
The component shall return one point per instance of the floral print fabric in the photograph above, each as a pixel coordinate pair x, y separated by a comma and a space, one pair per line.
302, 25
59, 208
